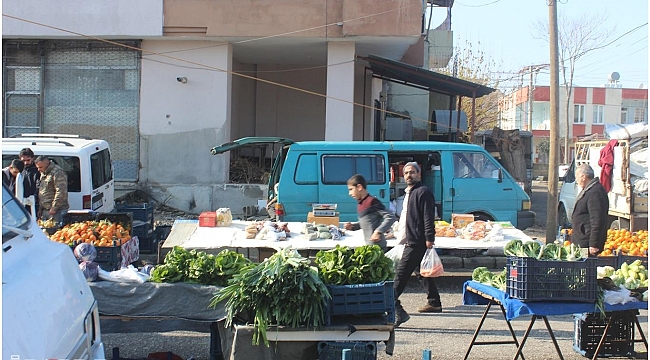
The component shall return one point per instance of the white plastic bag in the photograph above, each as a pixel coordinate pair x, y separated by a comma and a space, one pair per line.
395, 254
128, 274
431, 265
621, 296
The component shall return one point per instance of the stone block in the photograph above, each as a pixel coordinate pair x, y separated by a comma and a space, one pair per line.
474, 262
451, 262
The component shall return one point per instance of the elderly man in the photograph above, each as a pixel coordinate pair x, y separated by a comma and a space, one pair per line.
53, 190
589, 218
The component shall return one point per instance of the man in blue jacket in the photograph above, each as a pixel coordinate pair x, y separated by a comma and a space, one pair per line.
417, 232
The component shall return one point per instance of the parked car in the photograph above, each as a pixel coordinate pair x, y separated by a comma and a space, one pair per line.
86, 161
49, 311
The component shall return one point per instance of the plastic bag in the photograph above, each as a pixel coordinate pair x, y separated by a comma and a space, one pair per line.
431, 265
395, 254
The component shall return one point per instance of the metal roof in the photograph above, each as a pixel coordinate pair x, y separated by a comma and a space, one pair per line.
422, 78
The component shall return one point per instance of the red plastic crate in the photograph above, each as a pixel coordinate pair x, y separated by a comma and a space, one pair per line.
208, 219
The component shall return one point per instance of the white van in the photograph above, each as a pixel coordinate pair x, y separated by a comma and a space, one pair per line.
86, 161
48, 309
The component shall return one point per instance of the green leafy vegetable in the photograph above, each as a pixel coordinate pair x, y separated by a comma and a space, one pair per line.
365, 264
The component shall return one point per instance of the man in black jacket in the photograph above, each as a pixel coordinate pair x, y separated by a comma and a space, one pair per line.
589, 218
31, 176
417, 232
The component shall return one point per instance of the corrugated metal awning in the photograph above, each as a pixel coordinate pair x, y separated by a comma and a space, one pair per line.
422, 78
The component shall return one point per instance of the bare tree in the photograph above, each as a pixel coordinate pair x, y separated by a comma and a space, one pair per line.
577, 37
473, 65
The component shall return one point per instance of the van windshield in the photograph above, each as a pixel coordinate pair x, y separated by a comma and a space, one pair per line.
13, 214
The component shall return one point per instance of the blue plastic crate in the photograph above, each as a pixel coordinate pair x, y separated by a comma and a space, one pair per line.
141, 212
361, 350
529, 279
149, 244
141, 229
361, 299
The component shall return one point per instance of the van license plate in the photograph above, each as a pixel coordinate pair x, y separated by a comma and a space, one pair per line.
98, 201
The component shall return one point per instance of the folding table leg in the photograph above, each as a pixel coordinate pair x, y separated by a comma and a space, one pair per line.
530, 327
602, 338
638, 326
478, 329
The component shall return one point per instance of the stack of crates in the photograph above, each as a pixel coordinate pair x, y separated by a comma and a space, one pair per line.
360, 350
619, 341
142, 225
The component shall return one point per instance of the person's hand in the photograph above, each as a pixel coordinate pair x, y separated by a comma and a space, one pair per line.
376, 236
593, 250
348, 226
429, 244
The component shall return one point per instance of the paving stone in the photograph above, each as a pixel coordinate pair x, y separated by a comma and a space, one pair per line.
474, 262
451, 262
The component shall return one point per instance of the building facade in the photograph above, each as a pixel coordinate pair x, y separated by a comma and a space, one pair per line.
590, 109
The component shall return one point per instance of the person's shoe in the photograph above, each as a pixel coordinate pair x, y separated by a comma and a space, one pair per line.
401, 316
430, 309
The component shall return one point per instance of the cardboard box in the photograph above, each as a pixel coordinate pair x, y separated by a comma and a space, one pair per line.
459, 221
208, 219
325, 220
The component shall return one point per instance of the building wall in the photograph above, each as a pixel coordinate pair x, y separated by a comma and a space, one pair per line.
243, 100
114, 18
251, 18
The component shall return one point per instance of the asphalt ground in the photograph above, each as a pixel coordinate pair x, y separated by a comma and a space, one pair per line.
446, 334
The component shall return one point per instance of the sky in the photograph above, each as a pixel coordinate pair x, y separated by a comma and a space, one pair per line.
506, 33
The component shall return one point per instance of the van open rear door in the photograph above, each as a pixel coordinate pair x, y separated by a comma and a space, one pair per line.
256, 141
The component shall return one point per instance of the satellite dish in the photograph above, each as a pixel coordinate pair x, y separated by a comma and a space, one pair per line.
641, 86
614, 76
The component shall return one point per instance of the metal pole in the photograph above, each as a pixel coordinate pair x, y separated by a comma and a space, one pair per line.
530, 101
458, 110
472, 130
552, 198
363, 122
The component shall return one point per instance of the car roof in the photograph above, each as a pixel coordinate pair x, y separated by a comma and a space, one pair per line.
48, 143
384, 146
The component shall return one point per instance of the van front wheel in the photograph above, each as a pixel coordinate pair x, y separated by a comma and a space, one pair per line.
482, 217
562, 219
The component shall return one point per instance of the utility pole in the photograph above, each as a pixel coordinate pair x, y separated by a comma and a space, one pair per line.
530, 101
552, 199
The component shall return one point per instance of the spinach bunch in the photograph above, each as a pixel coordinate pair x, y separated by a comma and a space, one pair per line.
283, 290
343, 266
199, 267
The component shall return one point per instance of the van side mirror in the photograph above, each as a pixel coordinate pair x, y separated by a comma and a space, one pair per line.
497, 174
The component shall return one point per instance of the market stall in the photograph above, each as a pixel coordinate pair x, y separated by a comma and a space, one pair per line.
475, 293
188, 234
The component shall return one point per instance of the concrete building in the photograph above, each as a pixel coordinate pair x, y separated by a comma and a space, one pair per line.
590, 109
164, 81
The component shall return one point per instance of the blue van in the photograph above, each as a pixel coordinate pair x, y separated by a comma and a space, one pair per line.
464, 178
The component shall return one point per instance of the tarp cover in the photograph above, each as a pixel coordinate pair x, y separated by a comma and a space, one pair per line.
178, 300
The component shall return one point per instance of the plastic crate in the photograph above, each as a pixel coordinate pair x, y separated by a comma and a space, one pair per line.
589, 328
333, 350
361, 299
109, 258
76, 217
149, 244
607, 261
163, 231
529, 279
141, 230
629, 259
141, 212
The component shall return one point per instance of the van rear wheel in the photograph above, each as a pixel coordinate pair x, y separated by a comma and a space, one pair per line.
562, 219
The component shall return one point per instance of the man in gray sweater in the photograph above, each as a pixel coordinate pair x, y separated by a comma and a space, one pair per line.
374, 219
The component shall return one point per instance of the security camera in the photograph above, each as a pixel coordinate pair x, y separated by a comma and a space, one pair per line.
181, 79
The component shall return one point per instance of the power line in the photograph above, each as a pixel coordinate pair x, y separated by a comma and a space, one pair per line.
476, 6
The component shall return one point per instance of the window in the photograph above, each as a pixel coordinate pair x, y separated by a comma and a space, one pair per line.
599, 114
306, 169
69, 164
639, 115
101, 168
578, 114
337, 169
623, 115
13, 214
474, 165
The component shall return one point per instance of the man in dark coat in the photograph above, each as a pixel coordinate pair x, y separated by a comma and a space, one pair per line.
590, 219
417, 232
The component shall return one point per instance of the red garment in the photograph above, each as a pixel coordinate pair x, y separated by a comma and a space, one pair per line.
606, 163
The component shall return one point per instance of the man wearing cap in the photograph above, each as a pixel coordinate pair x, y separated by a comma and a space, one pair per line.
417, 233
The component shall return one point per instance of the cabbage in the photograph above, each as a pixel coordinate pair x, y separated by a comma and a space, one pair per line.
85, 252
90, 270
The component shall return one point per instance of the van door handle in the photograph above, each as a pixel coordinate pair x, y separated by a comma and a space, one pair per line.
452, 191
382, 193
507, 189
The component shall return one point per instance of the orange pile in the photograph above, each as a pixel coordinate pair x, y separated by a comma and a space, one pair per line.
97, 233
626, 243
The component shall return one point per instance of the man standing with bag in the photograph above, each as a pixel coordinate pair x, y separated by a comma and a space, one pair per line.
417, 232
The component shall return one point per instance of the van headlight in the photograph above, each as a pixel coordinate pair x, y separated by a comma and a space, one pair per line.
525, 205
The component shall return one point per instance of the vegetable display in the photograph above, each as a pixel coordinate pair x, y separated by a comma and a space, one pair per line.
284, 290
626, 243
551, 251
363, 265
632, 276
484, 276
198, 267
